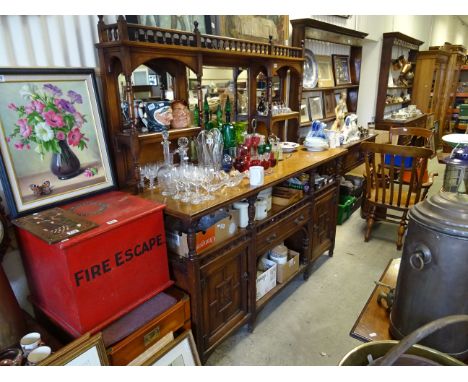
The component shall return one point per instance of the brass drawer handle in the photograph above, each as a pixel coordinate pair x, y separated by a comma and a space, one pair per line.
150, 336
271, 238
299, 219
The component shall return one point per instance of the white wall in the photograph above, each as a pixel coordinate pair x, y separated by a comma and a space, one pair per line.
68, 41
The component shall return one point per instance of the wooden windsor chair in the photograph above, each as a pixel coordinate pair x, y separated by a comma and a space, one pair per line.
386, 189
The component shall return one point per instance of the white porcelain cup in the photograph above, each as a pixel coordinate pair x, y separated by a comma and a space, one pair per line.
39, 354
256, 175
30, 342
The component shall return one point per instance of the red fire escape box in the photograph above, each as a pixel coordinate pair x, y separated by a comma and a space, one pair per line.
87, 281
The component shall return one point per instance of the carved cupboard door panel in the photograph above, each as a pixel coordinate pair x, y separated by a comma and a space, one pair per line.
224, 294
324, 218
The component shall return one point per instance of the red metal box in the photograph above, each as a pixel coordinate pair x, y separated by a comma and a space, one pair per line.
86, 282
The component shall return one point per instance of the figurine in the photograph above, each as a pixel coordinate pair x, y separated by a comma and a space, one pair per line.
340, 111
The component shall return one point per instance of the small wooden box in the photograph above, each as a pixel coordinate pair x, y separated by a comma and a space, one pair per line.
174, 318
284, 196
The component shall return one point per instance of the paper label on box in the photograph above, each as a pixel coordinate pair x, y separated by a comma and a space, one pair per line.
110, 222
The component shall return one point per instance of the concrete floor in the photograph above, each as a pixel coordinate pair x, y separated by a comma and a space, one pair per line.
308, 323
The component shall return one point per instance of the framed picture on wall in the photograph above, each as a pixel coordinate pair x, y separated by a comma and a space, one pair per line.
325, 71
341, 69
52, 138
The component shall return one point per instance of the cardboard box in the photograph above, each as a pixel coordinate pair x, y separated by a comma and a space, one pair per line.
217, 233
227, 227
285, 271
267, 280
177, 241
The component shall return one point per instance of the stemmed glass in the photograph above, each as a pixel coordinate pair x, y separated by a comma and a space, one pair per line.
143, 169
151, 173
196, 181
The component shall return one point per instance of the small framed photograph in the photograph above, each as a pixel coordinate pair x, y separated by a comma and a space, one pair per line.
87, 350
341, 69
316, 108
304, 112
329, 103
52, 138
325, 71
180, 352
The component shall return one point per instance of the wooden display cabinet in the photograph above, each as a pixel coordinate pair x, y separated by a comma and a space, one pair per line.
335, 40
450, 83
123, 47
430, 93
393, 45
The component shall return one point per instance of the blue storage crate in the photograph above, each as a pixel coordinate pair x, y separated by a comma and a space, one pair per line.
408, 160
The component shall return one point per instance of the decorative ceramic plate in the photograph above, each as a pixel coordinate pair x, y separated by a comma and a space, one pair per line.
310, 70
289, 147
455, 139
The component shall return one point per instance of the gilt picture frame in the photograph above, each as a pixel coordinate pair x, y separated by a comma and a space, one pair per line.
316, 107
52, 138
325, 71
341, 69
86, 350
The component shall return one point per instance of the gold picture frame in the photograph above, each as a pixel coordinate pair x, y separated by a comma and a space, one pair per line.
341, 69
254, 28
325, 71
86, 350
182, 351
304, 111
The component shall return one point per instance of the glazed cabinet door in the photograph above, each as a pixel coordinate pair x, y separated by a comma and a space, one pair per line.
224, 294
324, 223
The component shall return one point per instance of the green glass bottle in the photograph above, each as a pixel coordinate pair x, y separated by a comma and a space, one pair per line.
229, 133
196, 116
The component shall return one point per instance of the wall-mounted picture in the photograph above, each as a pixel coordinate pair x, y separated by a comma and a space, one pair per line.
254, 27
341, 69
325, 71
304, 112
52, 138
316, 108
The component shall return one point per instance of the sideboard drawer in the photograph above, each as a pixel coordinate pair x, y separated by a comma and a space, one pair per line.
174, 318
283, 228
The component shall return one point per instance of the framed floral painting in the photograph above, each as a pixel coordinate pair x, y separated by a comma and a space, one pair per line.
52, 138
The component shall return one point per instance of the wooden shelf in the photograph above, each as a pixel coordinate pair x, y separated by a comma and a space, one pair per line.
318, 89
278, 117
464, 67
146, 138
461, 95
329, 119
263, 301
398, 103
399, 87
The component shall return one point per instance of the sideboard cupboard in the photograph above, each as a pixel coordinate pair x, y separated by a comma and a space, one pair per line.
221, 281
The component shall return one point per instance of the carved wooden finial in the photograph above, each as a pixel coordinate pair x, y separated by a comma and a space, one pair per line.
121, 18
196, 26
101, 18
